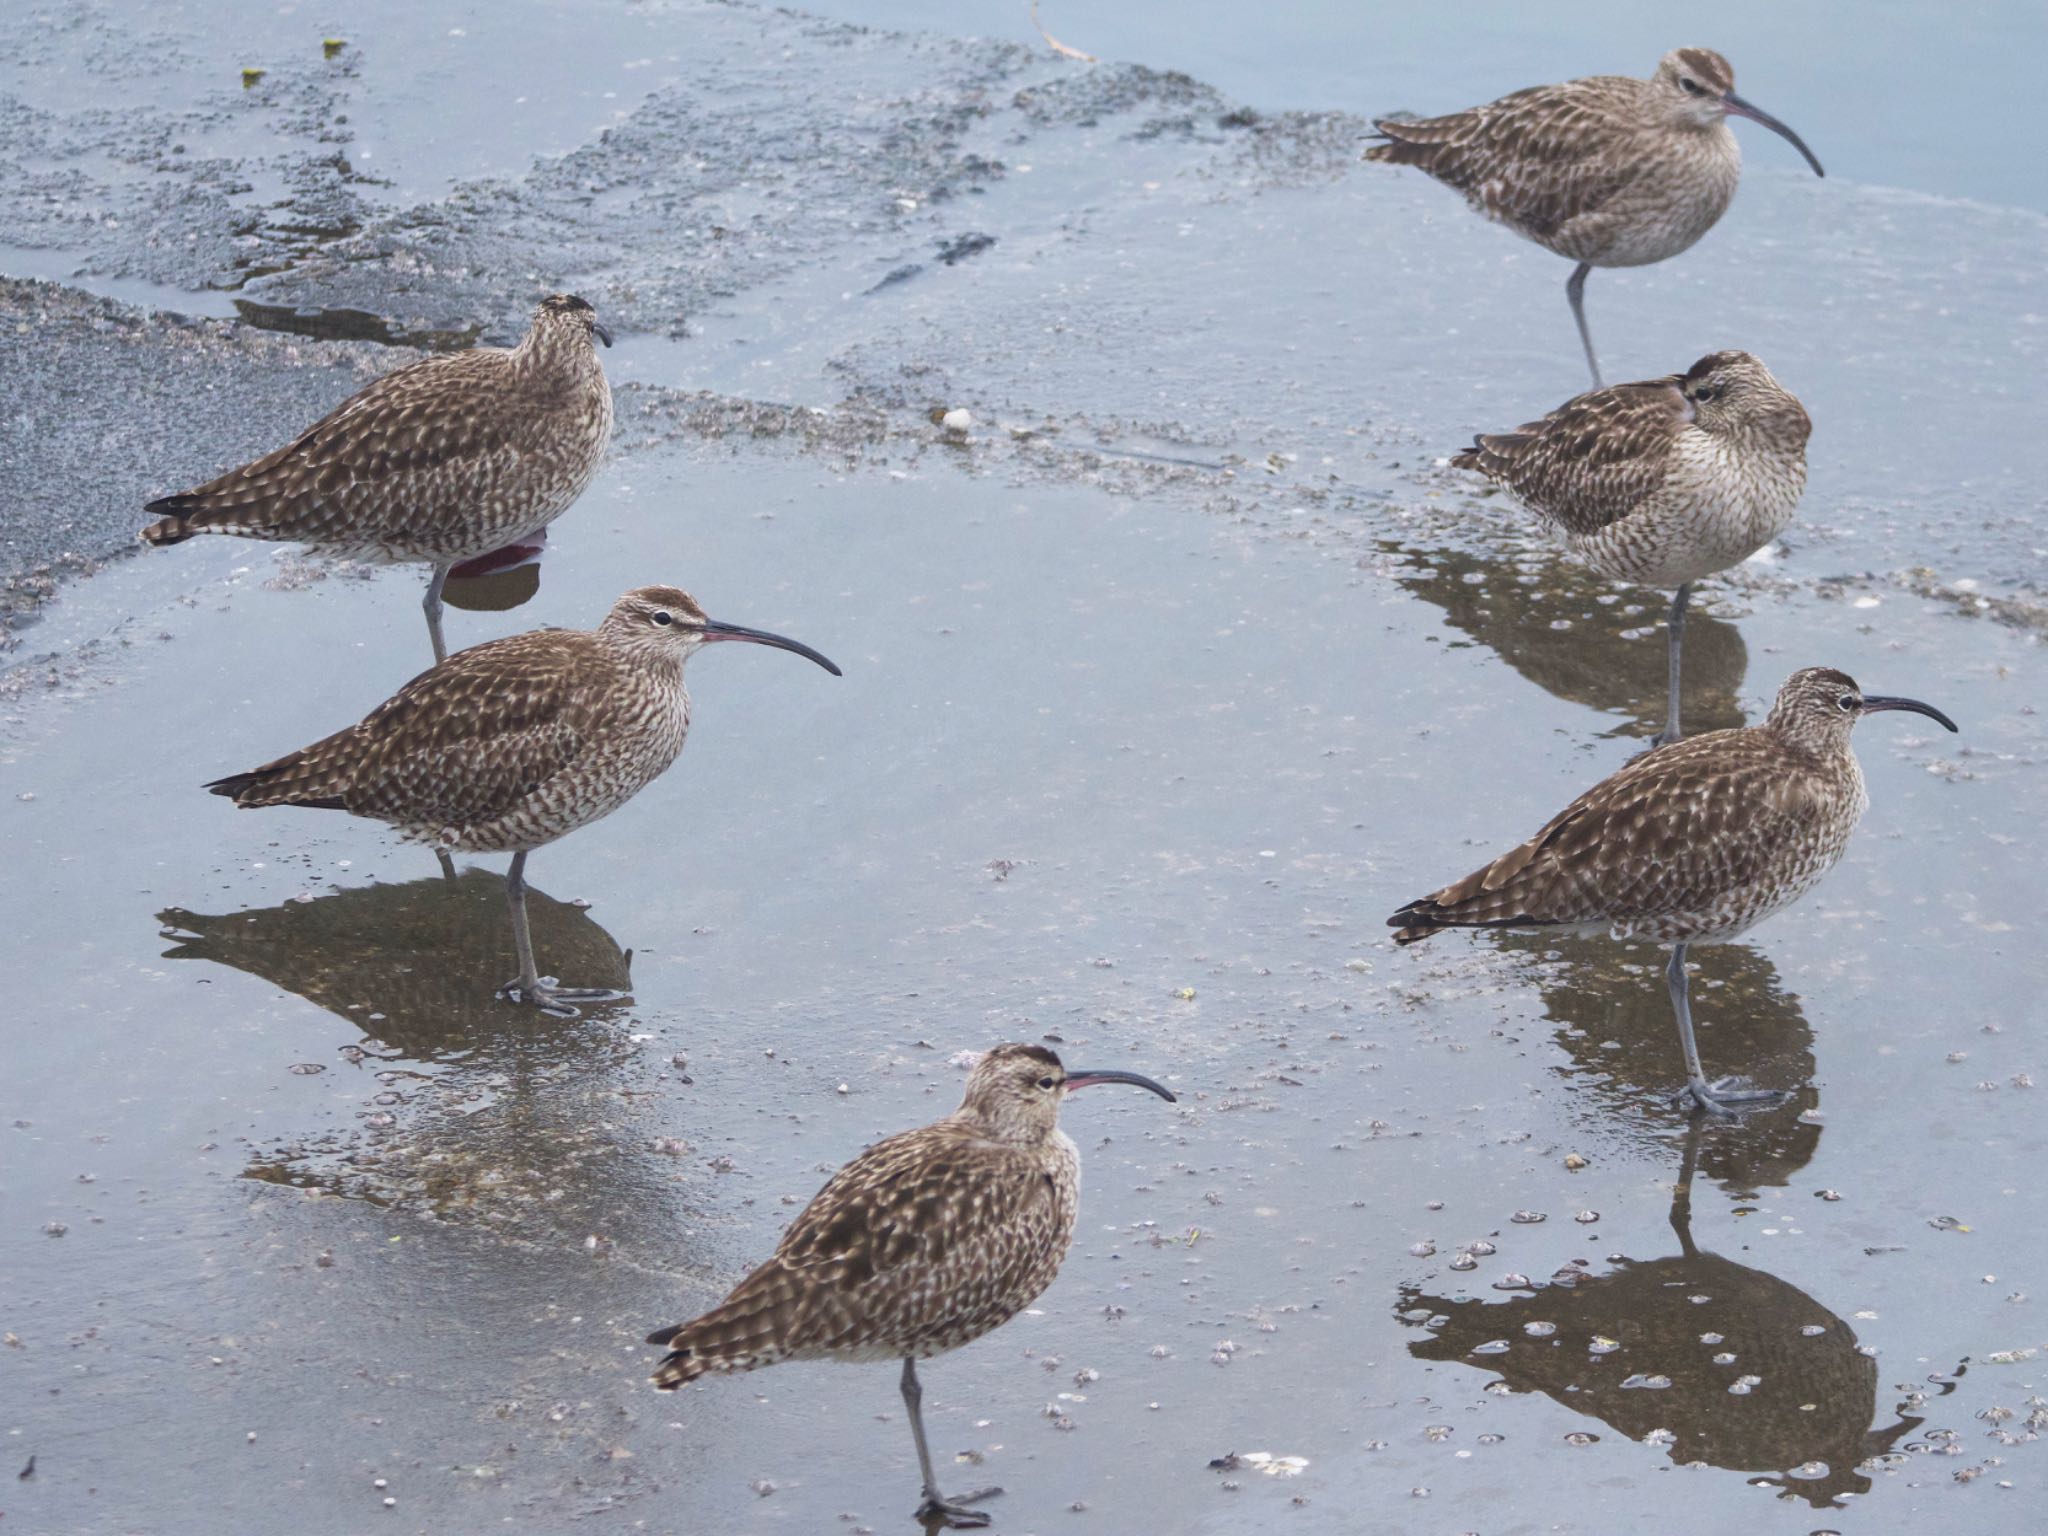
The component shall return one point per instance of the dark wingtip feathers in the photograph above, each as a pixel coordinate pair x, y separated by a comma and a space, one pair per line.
247, 790
1416, 922
1491, 453
1404, 141
680, 1368
237, 785
172, 529
189, 513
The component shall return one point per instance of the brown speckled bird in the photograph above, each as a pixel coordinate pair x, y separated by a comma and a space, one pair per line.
508, 745
1662, 482
1694, 843
924, 1242
451, 458
1610, 171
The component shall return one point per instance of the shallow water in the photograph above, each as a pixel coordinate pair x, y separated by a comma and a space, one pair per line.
1180, 686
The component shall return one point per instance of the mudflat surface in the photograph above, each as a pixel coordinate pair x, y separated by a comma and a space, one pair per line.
1165, 683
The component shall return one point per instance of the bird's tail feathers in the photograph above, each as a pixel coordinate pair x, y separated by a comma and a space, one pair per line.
740, 1335
286, 781
1427, 915
189, 513
1410, 140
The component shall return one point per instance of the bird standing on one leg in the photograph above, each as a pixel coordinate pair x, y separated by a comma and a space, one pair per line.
924, 1242
1610, 171
1693, 843
509, 745
1663, 482
448, 459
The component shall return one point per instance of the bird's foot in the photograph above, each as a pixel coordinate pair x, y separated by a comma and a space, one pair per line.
1665, 737
556, 1000
940, 1510
1722, 1097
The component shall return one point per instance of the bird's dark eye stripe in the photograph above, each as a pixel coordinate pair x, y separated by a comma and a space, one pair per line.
1691, 86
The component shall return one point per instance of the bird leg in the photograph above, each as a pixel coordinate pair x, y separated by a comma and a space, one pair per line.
1575, 290
1714, 1098
432, 605
1675, 640
544, 992
936, 1506
447, 865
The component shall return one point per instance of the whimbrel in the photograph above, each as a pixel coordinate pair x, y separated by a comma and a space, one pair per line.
511, 744
924, 1242
1610, 171
1694, 843
443, 461
1662, 482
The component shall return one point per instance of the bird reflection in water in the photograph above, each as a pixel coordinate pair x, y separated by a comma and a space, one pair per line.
500, 581
1563, 628
472, 1107
425, 957
1689, 1328
1614, 1024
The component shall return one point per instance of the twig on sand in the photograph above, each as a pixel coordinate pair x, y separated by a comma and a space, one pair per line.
1054, 43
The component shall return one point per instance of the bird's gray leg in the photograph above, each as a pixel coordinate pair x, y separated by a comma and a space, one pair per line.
544, 992
1716, 1098
447, 865
432, 605
1675, 642
1575, 290
528, 984
936, 1506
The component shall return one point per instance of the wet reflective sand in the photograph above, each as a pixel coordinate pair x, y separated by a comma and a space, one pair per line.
1164, 685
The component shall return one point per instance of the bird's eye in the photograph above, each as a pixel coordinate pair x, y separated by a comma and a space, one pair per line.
664, 617
1706, 392
1691, 87
1847, 703
1045, 1082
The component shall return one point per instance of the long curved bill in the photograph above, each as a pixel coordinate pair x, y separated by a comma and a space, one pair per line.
1079, 1079
1873, 702
713, 630
1735, 106
604, 332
